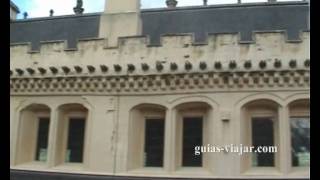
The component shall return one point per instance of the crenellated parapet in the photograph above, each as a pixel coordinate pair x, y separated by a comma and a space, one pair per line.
269, 62
174, 48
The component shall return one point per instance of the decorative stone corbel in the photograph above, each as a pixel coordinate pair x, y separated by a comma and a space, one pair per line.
117, 67
78, 69
19, 71
54, 70
277, 63
145, 66
262, 64
188, 66
248, 64
131, 67
42, 70
203, 65
307, 63
173, 66
293, 63
225, 115
30, 71
65, 69
218, 65
104, 68
91, 69
232, 65
159, 66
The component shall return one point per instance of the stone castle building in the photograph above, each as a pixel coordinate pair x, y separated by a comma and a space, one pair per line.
128, 93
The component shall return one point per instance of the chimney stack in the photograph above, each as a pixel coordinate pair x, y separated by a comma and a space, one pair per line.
205, 2
171, 3
78, 9
25, 15
51, 12
120, 18
14, 10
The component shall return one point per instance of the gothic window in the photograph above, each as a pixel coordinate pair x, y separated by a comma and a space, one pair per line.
300, 133
146, 139
260, 129
42, 139
154, 142
262, 135
192, 137
75, 140
192, 127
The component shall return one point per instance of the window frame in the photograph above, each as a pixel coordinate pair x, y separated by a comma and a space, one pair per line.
66, 120
297, 110
144, 142
24, 158
138, 117
195, 112
39, 116
260, 108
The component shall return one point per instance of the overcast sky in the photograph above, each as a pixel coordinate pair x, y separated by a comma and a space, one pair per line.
41, 8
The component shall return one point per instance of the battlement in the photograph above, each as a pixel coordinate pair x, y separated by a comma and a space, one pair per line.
177, 40
177, 48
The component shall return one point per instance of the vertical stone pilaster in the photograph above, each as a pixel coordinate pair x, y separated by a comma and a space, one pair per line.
52, 141
284, 140
168, 141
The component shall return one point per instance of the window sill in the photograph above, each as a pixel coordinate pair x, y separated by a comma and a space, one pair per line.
34, 165
303, 171
148, 170
197, 171
68, 167
263, 171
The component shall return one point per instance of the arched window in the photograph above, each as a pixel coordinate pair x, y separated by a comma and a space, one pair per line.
260, 129
146, 141
192, 126
33, 134
300, 133
71, 133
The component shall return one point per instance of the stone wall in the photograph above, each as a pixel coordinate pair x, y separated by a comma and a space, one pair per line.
56, 76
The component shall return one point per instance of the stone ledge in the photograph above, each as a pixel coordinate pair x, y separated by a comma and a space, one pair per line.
32, 175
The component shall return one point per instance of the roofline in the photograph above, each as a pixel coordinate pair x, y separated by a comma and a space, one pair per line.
215, 6
234, 5
56, 17
15, 7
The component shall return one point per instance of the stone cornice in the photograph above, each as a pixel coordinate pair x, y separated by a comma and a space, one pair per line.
159, 68
277, 79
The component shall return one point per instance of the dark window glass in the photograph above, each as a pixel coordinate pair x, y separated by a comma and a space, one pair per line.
75, 140
192, 136
42, 139
262, 135
154, 139
300, 140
